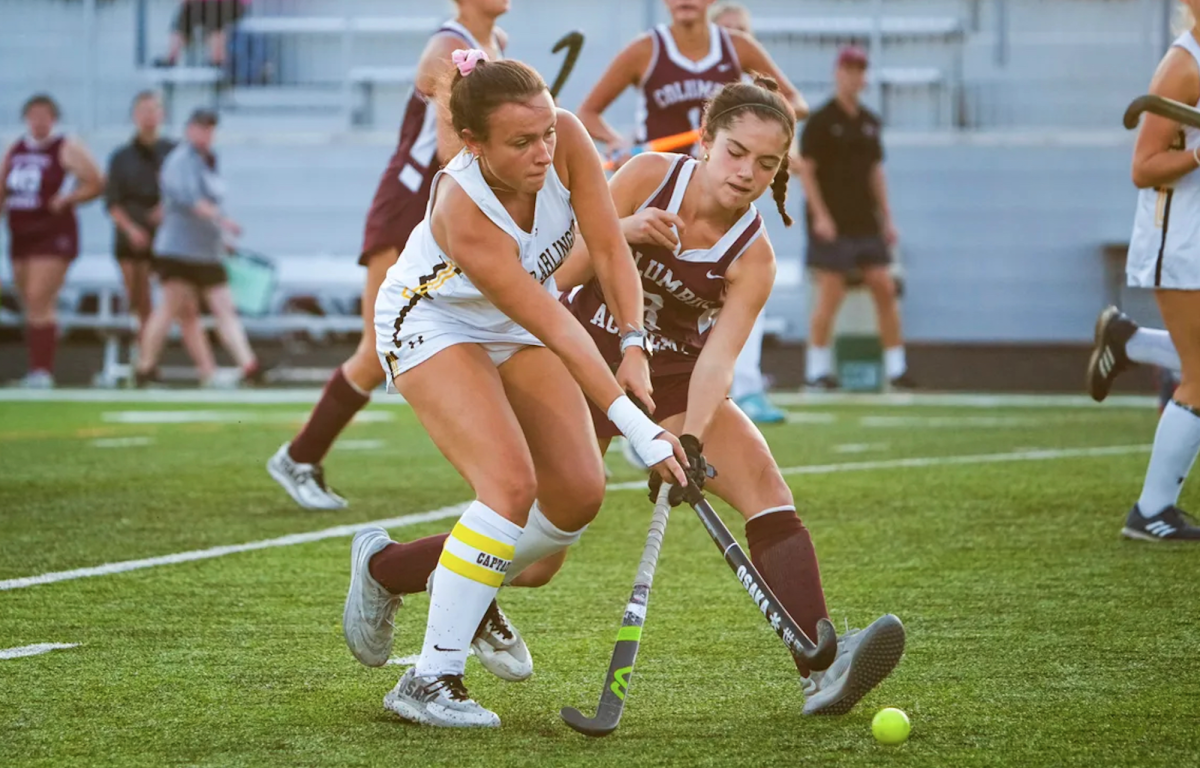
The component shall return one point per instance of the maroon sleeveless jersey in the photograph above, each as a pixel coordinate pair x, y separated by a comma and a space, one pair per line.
684, 290
675, 88
33, 175
403, 192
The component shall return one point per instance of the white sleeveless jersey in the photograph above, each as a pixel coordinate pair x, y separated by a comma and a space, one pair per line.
426, 294
1164, 250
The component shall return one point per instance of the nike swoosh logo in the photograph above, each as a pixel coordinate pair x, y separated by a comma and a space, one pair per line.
437, 647
711, 276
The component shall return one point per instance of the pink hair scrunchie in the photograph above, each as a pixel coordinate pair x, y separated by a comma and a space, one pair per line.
466, 59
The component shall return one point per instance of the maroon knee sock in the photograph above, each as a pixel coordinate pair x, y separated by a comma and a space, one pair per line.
42, 341
403, 569
339, 402
783, 553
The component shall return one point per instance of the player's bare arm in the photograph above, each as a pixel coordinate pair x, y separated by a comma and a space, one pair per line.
1155, 162
755, 58
748, 285
625, 71
80, 163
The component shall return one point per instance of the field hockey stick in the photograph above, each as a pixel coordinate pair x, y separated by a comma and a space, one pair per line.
816, 656
664, 144
573, 42
1162, 106
620, 669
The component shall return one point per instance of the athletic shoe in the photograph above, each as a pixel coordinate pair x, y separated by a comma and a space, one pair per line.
37, 380
903, 383
367, 617
500, 647
760, 409
630, 455
864, 659
439, 701
1113, 329
304, 482
828, 383
1172, 524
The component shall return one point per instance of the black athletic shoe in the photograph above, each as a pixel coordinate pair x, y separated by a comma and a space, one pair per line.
148, 380
903, 383
1113, 329
827, 383
1172, 524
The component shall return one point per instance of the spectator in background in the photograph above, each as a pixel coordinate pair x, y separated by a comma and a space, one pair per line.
749, 390
44, 232
188, 249
850, 227
213, 17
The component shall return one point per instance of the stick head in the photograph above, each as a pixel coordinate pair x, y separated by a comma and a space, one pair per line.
572, 40
595, 727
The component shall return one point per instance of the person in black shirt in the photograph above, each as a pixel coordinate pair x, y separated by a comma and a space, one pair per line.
850, 229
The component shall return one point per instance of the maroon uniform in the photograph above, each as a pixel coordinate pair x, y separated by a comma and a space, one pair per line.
675, 88
33, 175
403, 191
684, 291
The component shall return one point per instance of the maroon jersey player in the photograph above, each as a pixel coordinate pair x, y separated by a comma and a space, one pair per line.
675, 69
426, 141
45, 175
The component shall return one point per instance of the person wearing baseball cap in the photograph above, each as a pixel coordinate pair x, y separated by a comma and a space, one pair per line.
850, 228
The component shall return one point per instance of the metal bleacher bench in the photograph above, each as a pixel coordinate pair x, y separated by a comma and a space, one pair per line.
333, 282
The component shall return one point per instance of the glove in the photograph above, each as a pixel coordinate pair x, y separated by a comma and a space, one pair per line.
698, 471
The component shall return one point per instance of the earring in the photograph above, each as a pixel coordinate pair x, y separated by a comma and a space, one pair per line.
706, 157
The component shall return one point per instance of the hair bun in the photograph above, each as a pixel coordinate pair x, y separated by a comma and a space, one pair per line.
765, 81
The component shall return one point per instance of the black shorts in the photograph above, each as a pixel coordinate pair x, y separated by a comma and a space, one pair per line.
211, 15
846, 254
199, 275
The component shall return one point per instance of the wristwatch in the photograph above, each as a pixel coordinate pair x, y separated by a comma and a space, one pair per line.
637, 338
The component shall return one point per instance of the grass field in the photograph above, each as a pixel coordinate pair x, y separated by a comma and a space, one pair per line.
1036, 635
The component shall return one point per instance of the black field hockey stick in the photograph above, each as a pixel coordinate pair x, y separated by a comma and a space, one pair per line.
816, 656
620, 669
573, 42
1162, 106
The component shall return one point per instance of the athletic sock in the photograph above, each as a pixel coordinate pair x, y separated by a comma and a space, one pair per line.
1176, 443
541, 538
403, 569
782, 551
1151, 346
818, 362
475, 558
339, 403
894, 362
42, 343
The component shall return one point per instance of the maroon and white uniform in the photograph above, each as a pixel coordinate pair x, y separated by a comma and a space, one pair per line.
684, 291
675, 88
403, 191
33, 175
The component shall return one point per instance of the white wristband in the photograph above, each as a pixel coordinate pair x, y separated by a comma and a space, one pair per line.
640, 431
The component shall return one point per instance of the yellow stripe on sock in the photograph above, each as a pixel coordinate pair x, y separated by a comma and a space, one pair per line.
470, 570
483, 543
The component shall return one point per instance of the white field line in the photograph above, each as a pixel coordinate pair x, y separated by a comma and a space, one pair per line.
859, 447
359, 445
34, 650
960, 400
453, 511
122, 442
227, 417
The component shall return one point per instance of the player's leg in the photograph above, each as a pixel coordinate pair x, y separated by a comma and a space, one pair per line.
875, 262
828, 267
39, 279
461, 402
748, 389
195, 337
1119, 344
1177, 439
297, 464
135, 275
749, 480
229, 327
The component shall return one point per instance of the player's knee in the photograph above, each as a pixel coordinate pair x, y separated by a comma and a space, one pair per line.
511, 493
364, 370
542, 572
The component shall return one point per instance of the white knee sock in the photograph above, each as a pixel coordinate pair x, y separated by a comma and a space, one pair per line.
1153, 347
1176, 443
541, 538
818, 362
894, 362
747, 371
475, 557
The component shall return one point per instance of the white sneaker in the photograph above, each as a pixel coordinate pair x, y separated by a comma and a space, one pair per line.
864, 659
304, 482
439, 701
500, 648
37, 380
367, 617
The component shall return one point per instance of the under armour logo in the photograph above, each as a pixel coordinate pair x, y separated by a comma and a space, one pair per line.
414, 342
723, 67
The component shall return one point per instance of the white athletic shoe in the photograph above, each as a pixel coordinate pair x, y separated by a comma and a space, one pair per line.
500, 648
304, 482
37, 380
439, 701
367, 617
864, 659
